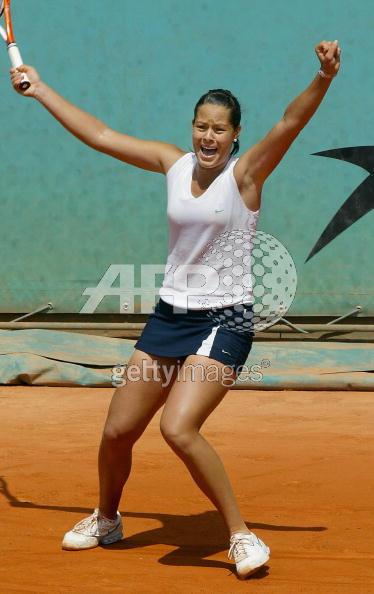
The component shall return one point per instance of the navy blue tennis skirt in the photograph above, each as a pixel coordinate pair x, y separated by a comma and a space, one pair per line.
222, 334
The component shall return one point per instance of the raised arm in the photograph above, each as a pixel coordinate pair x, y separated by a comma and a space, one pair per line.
150, 155
256, 164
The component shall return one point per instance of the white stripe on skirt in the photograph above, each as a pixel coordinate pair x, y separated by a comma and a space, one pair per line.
206, 345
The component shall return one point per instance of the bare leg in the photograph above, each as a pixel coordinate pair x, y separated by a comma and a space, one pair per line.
188, 405
131, 409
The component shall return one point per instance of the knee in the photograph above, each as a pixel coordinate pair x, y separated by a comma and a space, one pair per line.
179, 438
115, 434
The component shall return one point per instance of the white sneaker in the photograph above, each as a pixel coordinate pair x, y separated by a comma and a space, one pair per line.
249, 553
92, 531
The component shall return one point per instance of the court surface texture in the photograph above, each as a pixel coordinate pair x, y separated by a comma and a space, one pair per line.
300, 464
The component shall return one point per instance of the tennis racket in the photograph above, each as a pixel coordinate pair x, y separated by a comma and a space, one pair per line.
8, 36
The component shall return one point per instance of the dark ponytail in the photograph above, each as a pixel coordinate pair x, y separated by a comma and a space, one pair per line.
226, 99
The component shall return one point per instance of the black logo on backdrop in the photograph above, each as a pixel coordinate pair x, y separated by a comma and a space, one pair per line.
359, 203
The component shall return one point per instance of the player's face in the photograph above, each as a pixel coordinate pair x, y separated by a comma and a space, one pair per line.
213, 135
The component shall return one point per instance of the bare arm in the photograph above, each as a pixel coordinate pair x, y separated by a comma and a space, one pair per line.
255, 165
150, 155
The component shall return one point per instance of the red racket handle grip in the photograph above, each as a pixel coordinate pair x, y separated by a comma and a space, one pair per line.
16, 61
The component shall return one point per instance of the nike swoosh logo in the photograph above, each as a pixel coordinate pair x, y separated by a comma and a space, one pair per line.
219, 210
226, 352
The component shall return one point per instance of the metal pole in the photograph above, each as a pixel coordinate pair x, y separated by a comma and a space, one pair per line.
32, 313
354, 312
293, 326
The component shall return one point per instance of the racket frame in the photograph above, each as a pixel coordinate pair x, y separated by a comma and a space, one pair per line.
9, 38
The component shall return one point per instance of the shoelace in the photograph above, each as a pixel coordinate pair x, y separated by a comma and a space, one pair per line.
91, 526
239, 544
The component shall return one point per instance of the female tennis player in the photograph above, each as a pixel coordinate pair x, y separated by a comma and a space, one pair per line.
210, 191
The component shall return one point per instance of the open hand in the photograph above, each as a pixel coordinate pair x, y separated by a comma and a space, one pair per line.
328, 53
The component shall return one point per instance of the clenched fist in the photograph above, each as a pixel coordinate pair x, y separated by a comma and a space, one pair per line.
328, 53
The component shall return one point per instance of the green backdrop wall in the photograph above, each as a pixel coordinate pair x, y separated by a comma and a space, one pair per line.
68, 213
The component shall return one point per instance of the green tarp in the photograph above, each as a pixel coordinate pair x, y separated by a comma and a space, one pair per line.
53, 358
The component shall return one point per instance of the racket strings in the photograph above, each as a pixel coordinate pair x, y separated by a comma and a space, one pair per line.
2, 31
8, 34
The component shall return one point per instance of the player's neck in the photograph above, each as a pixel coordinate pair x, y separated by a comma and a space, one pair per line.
204, 176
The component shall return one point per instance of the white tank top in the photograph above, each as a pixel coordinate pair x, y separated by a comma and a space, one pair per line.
210, 245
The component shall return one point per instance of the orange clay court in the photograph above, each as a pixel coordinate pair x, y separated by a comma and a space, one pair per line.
301, 464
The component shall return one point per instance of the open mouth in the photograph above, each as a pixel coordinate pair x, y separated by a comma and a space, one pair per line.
208, 152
